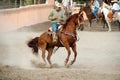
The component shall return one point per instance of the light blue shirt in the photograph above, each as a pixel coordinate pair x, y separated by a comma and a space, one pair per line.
96, 4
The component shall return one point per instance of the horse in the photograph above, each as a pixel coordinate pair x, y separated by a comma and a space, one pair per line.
116, 18
105, 9
66, 38
87, 8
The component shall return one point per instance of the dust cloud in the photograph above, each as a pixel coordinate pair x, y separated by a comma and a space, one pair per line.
15, 52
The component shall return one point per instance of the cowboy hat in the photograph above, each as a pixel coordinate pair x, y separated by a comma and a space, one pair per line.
114, 1
58, 5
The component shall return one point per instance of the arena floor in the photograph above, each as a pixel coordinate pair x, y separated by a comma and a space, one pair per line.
98, 57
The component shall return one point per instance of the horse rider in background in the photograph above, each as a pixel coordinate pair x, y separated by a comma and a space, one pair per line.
115, 10
67, 3
96, 4
57, 18
67, 7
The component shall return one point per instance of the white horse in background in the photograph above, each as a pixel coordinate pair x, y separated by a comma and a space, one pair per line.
117, 18
105, 9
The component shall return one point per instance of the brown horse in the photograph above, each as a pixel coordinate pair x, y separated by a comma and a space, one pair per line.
66, 38
89, 13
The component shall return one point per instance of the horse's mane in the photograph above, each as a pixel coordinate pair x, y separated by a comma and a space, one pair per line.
68, 20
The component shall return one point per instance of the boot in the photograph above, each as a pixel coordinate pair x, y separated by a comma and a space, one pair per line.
54, 37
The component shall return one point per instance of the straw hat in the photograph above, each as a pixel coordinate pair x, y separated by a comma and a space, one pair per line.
58, 5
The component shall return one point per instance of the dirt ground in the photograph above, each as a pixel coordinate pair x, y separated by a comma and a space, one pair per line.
98, 57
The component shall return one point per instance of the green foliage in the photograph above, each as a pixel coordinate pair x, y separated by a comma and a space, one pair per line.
27, 2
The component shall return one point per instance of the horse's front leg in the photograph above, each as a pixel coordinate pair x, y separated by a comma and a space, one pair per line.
69, 52
109, 25
75, 54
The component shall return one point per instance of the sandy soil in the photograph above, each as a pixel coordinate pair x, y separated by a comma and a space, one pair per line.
98, 57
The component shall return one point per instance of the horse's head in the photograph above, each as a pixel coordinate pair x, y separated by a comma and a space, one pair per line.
80, 20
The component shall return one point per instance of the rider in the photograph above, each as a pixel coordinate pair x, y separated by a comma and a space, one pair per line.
96, 4
56, 17
67, 10
115, 10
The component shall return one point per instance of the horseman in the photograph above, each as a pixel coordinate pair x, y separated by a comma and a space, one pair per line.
96, 4
57, 18
115, 9
67, 7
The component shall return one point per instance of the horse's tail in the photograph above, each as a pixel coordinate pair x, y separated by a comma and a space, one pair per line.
34, 45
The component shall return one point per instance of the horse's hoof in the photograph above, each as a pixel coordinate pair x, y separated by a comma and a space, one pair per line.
68, 66
65, 63
54, 66
51, 66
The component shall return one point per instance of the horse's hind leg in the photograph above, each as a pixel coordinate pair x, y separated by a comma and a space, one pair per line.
50, 51
75, 54
42, 45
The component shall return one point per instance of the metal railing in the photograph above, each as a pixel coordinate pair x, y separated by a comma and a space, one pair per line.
5, 4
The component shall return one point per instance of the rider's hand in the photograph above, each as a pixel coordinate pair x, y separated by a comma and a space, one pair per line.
55, 17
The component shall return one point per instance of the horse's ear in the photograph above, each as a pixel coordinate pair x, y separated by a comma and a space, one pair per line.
81, 9
81, 13
84, 5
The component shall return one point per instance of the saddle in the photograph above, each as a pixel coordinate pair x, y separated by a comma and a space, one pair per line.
54, 34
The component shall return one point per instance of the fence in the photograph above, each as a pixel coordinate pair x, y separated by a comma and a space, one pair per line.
11, 19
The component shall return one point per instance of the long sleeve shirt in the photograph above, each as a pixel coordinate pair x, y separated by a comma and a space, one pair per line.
60, 16
115, 6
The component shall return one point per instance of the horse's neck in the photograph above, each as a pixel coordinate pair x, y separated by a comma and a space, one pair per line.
105, 11
70, 27
107, 6
88, 10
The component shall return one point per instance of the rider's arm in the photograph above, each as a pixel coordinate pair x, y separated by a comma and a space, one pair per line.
51, 16
63, 18
97, 4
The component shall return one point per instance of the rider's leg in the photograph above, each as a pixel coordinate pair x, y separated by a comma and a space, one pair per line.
54, 29
95, 12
